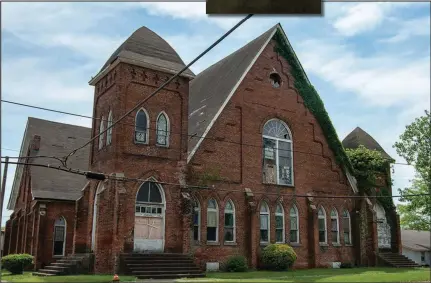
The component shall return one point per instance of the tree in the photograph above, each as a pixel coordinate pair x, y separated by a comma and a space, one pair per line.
415, 146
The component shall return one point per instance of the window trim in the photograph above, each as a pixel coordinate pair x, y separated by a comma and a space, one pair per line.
234, 221
198, 209
109, 131
101, 133
64, 236
168, 128
284, 226
295, 208
325, 222
276, 157
350, 226
336, 217
147, 132
216, 210
268, 228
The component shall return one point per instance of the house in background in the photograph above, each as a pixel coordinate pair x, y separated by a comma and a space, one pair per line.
417, 246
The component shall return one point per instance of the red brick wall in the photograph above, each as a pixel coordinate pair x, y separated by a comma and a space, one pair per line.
315, 171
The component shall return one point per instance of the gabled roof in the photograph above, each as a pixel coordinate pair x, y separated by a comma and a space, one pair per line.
56, 139
212, 89
359, 137
416, 240
147, 49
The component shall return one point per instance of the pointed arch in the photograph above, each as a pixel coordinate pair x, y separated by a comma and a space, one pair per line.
59, 240
162, 129
99, 190
347, 227
109, 132
277, 153
279, 223
321, 219
101, 129
294, 224
142, 124
229, 222
264, 217
212, 220
335, 226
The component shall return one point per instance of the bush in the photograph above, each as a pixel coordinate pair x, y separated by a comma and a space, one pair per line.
278, 257
236, 263
16, 263
346, 265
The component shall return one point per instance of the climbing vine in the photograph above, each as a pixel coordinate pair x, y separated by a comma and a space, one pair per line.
312, 101
208, 176
371, 171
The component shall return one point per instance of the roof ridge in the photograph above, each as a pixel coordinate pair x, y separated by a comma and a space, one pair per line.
56, 122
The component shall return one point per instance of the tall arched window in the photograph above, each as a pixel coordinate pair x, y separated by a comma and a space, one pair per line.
334, 227
294, 224
163, 129
109, 132
99, 190
264, 223
141, 126
346, 228
101, 129
59, 236
322, 225
229, 222
277, 153
196, 219
279, 223
212, 221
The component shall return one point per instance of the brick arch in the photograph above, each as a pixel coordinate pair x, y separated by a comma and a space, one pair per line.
268, 202
279, 117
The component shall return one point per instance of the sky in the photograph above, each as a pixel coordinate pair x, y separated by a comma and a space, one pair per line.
370, 62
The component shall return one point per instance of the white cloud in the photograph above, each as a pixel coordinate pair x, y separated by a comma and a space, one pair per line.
409, 29
78, 121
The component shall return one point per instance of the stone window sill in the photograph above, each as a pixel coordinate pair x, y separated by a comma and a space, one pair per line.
213, 244
348, 245
323, 244
263, 244
336, 244
279, 185
229, 243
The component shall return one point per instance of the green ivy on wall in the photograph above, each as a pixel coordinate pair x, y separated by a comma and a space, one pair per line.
312, 101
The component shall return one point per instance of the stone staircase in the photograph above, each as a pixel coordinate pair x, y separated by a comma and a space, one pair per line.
73, 264
160, 266
396, 260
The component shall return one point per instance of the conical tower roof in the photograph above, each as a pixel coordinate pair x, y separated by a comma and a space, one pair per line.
359, 137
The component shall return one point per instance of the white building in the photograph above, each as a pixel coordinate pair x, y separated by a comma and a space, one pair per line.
417, 246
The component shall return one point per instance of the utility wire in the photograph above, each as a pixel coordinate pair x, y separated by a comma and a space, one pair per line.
159, 88
170, 132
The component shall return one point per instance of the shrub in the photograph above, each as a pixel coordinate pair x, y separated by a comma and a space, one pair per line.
346, 265
16, 263
278, 257
236, 263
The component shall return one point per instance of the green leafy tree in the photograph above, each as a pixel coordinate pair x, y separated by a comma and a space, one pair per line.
415, 147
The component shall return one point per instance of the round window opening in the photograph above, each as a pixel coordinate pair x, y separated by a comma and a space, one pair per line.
275, 80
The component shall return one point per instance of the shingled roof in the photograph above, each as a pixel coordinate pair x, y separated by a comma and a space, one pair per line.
416, 240
359, 137
147, 49
212, 89
56, 139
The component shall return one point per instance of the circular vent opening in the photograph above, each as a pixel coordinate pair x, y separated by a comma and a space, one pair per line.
275, 80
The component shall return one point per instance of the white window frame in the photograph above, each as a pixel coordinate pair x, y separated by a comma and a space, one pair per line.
216, 210
296, 215
234, 221
109, 132
101, 129
64, 236
282, 216
269, 221
197, 209
347, 218
277, 140
168, 127
325, 226
336, 218
147, 131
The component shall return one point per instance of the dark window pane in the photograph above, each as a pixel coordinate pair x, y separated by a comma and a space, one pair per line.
335, 237
334, 225
346, 238
293, 236
138, 209
159, 210
154, 210
195, 218
59, 233
279, 235
345, 224
293, 223
143, 194
322, 237
228, 219
155, 195
264, 235
143, 210
196, 233
211, 233
58, 247
228, 234
322, 225
279, 222
141, 121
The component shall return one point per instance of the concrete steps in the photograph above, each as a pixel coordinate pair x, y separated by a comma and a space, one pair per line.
160, 266
63, 266
397, 260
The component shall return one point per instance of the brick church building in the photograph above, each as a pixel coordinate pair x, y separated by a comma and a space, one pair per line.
216, 164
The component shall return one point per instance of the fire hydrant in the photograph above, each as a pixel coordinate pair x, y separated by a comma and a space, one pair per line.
116, 278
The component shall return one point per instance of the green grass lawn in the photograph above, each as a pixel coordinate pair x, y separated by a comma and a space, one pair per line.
27, 277
322, 275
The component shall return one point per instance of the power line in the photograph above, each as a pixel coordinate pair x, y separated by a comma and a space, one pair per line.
89, 173
159, 88
170, 132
